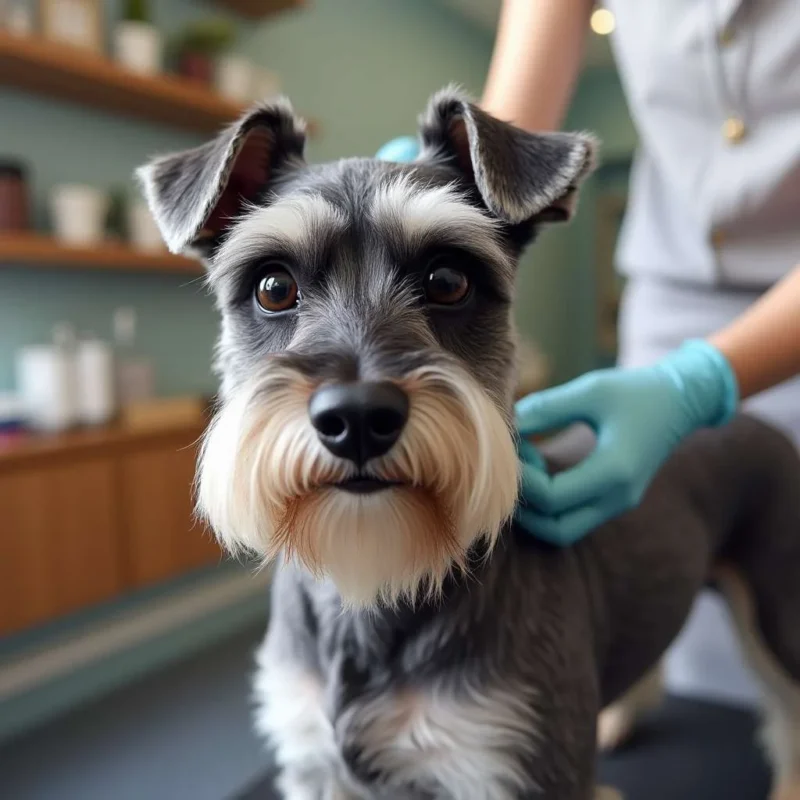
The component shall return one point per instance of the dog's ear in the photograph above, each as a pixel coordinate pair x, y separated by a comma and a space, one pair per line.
520, 176
195, 194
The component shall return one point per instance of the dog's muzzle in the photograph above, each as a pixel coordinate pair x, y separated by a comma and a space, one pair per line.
359, 421
383, 486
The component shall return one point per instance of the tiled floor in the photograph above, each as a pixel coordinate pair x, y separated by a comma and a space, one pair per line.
183, 734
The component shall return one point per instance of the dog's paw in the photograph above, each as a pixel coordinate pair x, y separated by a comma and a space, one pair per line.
787, 790
607, 793
617, 722
614, 727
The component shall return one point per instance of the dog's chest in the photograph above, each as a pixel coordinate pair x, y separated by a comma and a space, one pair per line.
439, 739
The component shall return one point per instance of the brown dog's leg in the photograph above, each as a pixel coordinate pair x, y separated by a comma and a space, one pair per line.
617, 722
781, 732
607, 793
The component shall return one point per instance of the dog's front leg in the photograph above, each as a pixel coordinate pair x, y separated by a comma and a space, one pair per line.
607, 793
337, 791
291, 717
296, 784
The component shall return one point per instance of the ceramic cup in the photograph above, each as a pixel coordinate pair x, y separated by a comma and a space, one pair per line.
78, 213
138, 46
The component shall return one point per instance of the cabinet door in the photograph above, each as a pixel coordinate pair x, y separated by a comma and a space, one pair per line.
162, 537
59, 541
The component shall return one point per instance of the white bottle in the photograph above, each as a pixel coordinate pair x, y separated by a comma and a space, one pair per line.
46, 382
78, 213
135, 380
94, 364
18, 18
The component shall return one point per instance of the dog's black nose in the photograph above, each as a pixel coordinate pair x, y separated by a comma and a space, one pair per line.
359, 421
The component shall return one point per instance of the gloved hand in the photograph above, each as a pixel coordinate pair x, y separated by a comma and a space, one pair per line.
404, 148
639, 416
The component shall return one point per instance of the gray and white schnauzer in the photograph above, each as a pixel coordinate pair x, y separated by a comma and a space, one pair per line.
421, 645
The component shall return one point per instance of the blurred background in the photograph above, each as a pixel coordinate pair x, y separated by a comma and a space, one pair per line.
125, 637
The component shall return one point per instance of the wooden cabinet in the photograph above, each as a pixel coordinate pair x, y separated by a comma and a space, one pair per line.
163, 537
59, 549
88, 516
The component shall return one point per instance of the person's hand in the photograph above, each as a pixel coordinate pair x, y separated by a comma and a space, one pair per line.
404, 148
639, 416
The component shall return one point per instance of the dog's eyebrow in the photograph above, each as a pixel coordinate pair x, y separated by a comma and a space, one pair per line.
301, 224
433, 213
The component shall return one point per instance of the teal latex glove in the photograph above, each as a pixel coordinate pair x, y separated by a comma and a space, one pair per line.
639, 416
404, 148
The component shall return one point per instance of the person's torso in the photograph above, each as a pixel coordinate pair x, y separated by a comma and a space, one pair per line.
714, 89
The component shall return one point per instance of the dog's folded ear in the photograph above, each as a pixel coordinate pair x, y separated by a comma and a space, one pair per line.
194, 195
520, 176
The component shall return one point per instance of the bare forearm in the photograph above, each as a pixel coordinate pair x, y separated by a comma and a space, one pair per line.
763, 345
537, 56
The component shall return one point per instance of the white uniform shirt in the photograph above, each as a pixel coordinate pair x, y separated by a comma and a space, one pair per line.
714, 89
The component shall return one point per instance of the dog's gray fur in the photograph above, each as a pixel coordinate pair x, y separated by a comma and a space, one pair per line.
538, 639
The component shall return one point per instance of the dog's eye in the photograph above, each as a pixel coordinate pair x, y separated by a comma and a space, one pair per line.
445, 285
277, 291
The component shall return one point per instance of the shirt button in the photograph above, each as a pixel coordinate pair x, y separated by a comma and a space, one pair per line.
726, 36
734, 129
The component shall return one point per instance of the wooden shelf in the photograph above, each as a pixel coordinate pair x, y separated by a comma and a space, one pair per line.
42, 251
71, 74
102, 440
258, 9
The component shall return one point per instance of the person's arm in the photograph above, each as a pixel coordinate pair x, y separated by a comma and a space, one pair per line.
641, 414
537, 56
763, 345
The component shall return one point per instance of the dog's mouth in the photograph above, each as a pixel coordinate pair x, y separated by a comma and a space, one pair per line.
365, 484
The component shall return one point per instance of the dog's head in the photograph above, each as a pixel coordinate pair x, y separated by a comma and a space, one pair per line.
367, 348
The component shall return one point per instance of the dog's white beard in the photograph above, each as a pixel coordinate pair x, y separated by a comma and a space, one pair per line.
265, 485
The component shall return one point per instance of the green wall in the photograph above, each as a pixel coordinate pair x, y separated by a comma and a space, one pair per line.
363, 69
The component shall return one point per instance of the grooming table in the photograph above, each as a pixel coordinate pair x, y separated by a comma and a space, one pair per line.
687, 750
691, 750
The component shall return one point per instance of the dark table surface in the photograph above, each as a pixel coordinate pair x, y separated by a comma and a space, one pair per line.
690, 750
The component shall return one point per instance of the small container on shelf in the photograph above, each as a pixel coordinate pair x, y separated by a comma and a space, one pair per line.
14, 199
200, 43
143, 233
138, 43
46, 382
16, 16
134, 372
78, 213
138, 47
235, 78
95, 380
77, 23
